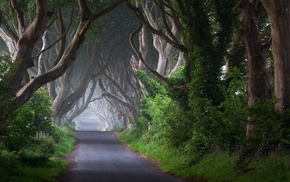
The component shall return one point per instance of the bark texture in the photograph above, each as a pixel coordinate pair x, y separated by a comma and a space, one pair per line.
279, 16
258, 82
68, 56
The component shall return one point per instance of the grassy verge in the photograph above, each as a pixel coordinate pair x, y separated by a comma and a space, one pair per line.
215, 167
66, 143
12, 170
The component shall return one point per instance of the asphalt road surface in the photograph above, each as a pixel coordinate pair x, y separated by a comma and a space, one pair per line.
101, 157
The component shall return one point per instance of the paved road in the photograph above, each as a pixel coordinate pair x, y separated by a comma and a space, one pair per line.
101, 157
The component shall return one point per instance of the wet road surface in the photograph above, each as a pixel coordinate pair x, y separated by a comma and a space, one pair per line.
101, 157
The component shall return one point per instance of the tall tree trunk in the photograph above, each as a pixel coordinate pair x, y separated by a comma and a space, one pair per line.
258, 81
278, 12
29, 37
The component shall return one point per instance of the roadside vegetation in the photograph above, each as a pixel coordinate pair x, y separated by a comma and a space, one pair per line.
30, 146
218, 166
216, 149
207, 94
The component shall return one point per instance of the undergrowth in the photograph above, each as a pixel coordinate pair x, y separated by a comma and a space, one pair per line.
11, 169
214, 167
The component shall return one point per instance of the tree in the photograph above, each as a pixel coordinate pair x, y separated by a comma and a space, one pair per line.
26, 38
116, 94
73, 85
280, 22
257, 49
165, 35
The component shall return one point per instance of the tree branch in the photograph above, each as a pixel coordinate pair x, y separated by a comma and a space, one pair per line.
9, 32
168, 29
116, 98
107, 9
61, 38
68, 56
138, 53
155, 31
116, 84
20, 17
26, 43
8, 41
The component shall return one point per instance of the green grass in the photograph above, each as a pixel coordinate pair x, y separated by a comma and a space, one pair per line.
275, 168
214, 167
48, 172
169, 158
66, 144
12, 170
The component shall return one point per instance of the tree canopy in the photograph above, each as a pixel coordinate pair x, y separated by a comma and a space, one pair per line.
197, 75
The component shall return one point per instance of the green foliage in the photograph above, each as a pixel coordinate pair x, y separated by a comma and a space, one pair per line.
94, 31
49, 172
35, 117
41, 104
32, 163
207, 38
6, 105
161, 117
140, 125
169, 158
152, 86
199, 113
5, 64
65, 142
215, 167
219, 127
271, 132
174, 86
169, 122
197, 129
29, 129
37, 154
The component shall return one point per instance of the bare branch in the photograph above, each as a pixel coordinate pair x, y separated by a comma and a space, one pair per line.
68, 56
20, 17
116, 84
9, 32
155, 31
105, 93
138, 53
168, 29
61, 38
98, 98
8, 41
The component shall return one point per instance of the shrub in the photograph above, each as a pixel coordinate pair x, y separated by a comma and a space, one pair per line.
33, 117
38, 153
32, 157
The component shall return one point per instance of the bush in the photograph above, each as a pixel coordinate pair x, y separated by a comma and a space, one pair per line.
65, 143
39, 153
140, 125
56, 133
32, 157
34, 117
271, 131
7, 104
